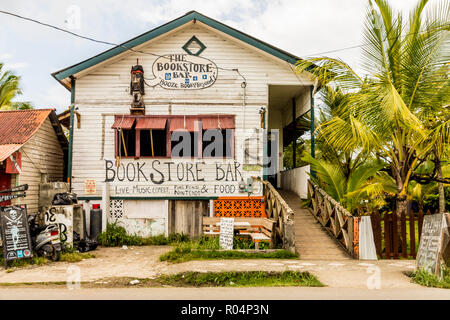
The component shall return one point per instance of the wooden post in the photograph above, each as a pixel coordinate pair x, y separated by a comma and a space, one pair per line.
138, 143
412, 235
420, 223
404, 239
151, 142
376, 227
394, 235
351, 237
387, 238
123, 141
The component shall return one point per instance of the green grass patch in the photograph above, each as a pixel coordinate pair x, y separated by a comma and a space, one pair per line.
427, 279
116, 236
20, 263
241, 279
205, 250
76, 256
196, 279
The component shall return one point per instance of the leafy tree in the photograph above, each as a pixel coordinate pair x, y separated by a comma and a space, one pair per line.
407, 81
9, 89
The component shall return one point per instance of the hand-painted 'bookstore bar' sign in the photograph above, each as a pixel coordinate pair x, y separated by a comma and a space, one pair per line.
183, 71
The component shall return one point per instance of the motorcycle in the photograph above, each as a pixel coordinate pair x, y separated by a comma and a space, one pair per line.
45, 239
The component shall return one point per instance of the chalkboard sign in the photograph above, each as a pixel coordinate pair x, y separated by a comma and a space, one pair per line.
226, 233
15, 233
431, 247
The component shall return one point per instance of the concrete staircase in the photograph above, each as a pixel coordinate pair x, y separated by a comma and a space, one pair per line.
312, 242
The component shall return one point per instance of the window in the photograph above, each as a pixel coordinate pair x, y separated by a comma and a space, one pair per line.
127, 143
184, 144
217, 143
209, 136
153, 143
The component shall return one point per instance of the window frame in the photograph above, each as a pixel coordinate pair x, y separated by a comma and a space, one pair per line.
197, 128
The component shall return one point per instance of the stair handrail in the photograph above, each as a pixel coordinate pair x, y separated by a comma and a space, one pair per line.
278, 210
337, 220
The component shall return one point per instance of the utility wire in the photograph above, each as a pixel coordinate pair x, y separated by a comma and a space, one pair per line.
157, 55
100, 41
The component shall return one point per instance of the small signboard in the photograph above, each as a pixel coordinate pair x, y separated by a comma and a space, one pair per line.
15, 233
226, 233
90, 186
433, 242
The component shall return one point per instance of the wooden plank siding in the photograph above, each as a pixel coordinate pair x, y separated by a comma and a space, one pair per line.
42, 154
103, 91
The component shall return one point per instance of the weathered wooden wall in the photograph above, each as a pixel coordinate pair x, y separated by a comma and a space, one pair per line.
104, 91
41, 155
185, 216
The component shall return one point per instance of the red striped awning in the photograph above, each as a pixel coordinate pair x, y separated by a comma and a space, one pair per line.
218, 122
156, 123
184, 123
123, 122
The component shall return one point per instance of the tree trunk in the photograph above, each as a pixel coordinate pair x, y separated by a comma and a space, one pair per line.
437, 163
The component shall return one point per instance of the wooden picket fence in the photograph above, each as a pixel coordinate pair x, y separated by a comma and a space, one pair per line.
397, 237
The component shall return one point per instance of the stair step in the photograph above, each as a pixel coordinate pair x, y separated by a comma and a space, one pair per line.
312, 241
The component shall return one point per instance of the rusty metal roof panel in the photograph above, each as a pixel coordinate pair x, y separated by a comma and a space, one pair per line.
123, 122
18, 126
157, 123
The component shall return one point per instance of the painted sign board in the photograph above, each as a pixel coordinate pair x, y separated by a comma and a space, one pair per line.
433, 243
14, 163
226, 233
90, 186
150, 178
183, 72
16, 238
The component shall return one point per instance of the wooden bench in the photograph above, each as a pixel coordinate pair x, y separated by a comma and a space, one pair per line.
258, 229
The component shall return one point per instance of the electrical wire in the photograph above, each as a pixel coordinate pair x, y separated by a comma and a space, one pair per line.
157, 55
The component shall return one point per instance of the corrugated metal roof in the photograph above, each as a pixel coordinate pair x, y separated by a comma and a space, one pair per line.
7, 149
156, 123
17, 126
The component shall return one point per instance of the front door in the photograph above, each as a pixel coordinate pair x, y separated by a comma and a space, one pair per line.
5, 183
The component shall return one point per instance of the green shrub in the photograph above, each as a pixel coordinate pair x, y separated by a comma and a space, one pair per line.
427, 279
116, 236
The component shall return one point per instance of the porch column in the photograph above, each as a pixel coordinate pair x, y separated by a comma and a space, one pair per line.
313, 142
294, 142
70, 152
105, 204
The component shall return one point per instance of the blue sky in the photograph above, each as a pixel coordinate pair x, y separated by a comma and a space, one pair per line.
302, 27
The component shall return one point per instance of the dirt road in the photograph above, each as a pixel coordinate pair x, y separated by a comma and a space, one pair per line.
275, 293
350, 279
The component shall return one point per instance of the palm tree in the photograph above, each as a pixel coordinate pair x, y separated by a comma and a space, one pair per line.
366, 182
407, 80
9, 89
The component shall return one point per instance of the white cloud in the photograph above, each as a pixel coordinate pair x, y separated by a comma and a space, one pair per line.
16, 65
302, 27
5, 56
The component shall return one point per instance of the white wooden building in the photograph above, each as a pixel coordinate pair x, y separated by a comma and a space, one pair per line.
200, 75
